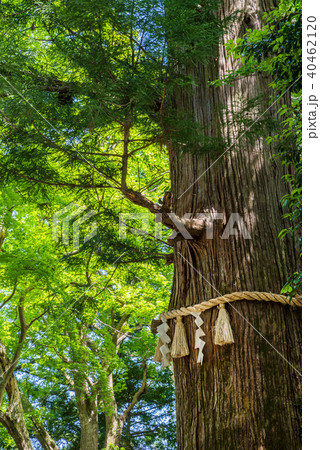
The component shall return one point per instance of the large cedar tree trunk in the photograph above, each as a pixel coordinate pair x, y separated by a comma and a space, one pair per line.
245, 395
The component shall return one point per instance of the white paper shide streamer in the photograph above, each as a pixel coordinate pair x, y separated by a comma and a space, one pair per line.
223, 334
199, 333
165, 339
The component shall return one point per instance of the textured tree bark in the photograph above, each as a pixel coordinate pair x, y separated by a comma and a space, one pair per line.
114, 422
87, 403
246, 395
114, 427
16, 427
13, 418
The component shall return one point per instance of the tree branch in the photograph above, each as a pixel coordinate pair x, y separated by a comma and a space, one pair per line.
40, 432
10, 296
70, 185
138, 394
12, 364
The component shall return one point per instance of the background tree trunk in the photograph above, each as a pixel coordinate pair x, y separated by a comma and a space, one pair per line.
88, 415
44, 438
13, 418
246, 395
114, 423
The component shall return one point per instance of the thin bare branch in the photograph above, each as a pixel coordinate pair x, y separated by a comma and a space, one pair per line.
10, 296
139, 393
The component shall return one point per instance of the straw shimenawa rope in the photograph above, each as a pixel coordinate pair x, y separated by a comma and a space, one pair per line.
228, 298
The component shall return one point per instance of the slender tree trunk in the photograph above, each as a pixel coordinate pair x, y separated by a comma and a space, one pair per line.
16, 427
246, 395
88, 415
114, 427
114, 422
13, 418
44, 438
41, 434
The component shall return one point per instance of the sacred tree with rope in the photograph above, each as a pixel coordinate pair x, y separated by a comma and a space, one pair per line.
246, 394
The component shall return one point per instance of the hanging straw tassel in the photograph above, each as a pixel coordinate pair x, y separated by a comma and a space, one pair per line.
179, 347
157, 354
222, 330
